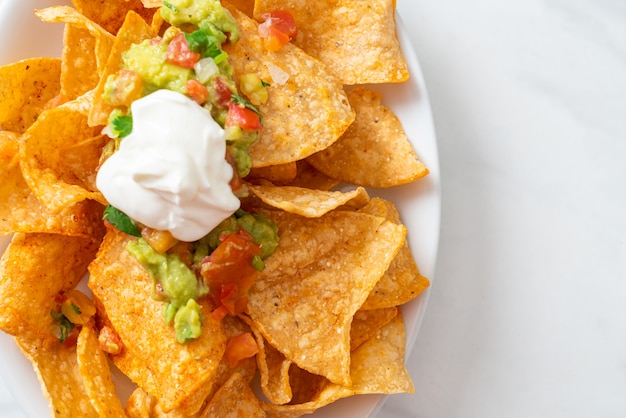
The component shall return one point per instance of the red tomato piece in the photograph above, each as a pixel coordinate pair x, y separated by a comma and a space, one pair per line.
240, 347
278, 29
197, 91
243, 117
228, 271
179, 53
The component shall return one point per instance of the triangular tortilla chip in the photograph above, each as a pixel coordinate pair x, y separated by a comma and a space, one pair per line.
355, 39
374, 151
304, 113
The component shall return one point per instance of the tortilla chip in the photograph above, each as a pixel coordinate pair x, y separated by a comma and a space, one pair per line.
402, 281
273, 369
234, 399
365, 324
25, 89
356, 40
110, 14
35, 269
307, 202
68, 15
152, 357
94, 368
305, 113
304, 300
275, 174
245, 6
56, 367
377, 367
79, 72
311, 178
133, 30
374, 151
42, 161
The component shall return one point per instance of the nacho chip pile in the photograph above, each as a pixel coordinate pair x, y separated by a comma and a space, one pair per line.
323, 318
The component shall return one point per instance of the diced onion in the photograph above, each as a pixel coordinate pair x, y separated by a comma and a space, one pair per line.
279, 76
205, 69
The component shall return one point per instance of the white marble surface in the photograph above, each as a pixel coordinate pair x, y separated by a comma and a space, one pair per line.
527, 316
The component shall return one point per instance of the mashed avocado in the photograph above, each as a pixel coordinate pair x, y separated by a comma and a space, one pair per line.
200, 13
148, 60
179, 285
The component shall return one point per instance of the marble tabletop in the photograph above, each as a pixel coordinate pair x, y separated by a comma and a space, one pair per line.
527, 313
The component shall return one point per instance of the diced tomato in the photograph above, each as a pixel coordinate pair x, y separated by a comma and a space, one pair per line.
222, 91
240, 347
197, 91
179, 53
110, 341
278, 29
243, 117
229, 273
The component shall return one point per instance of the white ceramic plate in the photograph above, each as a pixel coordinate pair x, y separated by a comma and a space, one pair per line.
419, 203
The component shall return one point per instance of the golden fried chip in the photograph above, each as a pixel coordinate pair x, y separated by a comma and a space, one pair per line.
273, 369
139, 404
275, 174
365, 324
245, 6
356, 40
110, 14
236, 399
308, 202
377, 367
152, 357
94, 369
43, 163
25, 89
68, 15
56, 367
304, 300
402, 281
79, 72
311, 178
34, 270
374, 151
133, 30
307, 109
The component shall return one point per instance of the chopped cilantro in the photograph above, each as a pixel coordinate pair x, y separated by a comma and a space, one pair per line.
121, 221
65, 326
122, 125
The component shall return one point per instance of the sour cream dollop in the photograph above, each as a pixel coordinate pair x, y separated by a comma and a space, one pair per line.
170, 172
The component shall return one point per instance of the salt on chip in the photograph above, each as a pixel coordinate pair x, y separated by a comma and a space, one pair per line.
42, 161
275, 174
110, 14
377, 367
273, 369
68, 15
308, 202
305, 113
34, 269
374, 151
79, 72
25, 89
366, 323
234, 399
356, 40
304, 300
152, 358
93, 366
402, 281
311, 178
133, 30
56, 367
